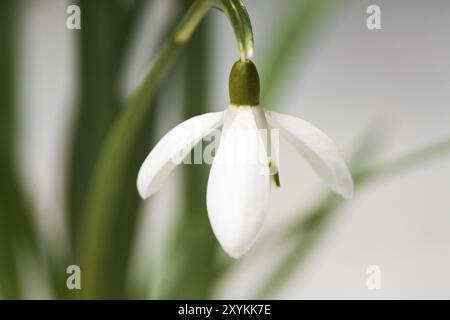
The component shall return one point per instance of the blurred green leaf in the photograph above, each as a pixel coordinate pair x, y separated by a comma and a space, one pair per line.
106, 30
298, 22
11, 208
110, 170
306, 232
16, 229
124, 217
393, 167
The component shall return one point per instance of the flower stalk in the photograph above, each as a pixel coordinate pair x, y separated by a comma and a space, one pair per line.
240, 21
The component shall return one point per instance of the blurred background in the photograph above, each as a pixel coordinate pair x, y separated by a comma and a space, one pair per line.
382, 95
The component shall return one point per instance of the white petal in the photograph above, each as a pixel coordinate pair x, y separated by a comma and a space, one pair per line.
239, 186
317, 149
172, 149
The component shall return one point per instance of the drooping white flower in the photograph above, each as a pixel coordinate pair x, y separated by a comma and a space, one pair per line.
245, 165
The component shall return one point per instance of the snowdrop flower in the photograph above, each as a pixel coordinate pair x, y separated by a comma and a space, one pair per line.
245, 165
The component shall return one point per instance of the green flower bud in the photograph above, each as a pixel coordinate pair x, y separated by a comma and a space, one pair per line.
244, 84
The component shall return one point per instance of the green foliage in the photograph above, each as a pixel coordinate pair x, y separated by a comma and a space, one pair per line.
107, 30
16, 229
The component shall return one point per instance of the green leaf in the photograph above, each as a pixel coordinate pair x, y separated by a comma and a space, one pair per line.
299, 22
110, 170
16, 229
107, 27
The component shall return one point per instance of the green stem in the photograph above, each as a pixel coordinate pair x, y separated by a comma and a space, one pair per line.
240, 21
